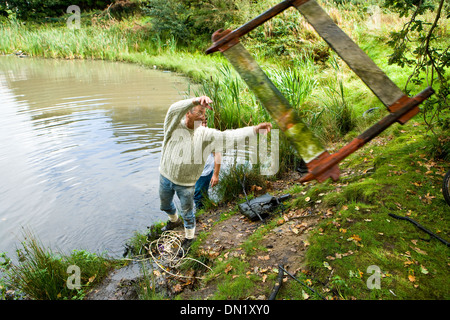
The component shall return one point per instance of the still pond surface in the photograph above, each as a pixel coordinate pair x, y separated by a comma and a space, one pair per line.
80, 149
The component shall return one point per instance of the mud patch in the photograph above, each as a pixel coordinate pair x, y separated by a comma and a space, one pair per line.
286, 245
226, 235
121, 284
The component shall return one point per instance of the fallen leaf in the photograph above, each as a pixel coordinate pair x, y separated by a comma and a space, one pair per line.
355, 238
255, 188
177, 288
228, 268
305, 295
407, 263
418, 250
91, 279
157, 273
349, 252
427, 198
301, 225
411, 278
327, 265
423, 269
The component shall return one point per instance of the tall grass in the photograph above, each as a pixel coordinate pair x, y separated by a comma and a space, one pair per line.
320, 102
234, 106
337, 116
116, 41
42, 274
62, 42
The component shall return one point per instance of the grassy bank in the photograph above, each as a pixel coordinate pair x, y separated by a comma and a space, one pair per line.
401, 177
44, 274
117, 42
335, 234
400, 172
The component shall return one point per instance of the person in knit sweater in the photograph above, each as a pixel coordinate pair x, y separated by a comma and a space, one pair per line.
186, 146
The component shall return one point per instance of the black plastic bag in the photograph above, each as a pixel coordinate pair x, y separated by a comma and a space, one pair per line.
260, 207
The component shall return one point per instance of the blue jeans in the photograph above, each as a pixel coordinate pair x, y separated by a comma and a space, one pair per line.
167, 190
201, 189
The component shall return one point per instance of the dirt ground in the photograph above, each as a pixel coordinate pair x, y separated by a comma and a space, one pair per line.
284, 245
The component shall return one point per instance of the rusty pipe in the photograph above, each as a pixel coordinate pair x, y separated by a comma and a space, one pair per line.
325, 162
231, 37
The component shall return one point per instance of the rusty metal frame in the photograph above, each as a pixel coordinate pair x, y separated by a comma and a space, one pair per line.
324, 166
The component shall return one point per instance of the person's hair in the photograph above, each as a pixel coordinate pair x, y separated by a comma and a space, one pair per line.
192, 109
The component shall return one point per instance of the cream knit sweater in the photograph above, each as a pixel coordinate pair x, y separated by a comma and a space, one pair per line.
184, 150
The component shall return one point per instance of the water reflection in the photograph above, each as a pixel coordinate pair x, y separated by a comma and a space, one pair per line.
80, 150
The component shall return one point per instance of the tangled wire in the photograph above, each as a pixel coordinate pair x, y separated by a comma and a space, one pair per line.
167, 253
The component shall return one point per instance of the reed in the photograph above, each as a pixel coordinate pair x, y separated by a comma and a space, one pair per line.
338, 117
235, 106
116, 42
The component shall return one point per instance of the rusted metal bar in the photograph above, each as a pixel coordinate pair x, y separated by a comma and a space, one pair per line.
319, 166
376, 80
287, 118
230, 37
320, 163
364, 67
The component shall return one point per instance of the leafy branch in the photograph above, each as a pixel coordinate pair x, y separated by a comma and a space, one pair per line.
419, 45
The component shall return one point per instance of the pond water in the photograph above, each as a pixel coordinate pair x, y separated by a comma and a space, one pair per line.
80, 149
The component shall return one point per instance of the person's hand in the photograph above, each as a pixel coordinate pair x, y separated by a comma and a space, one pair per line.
203, 101
263, 126
214, 180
